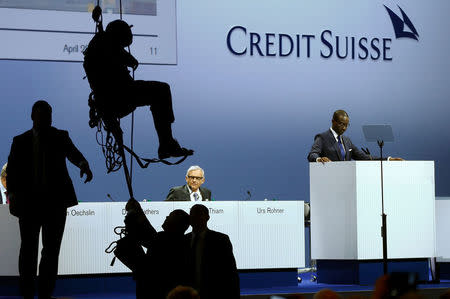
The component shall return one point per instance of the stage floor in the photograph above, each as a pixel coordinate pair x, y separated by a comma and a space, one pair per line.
306, 288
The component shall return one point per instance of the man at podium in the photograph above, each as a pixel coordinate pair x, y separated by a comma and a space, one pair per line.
332, 145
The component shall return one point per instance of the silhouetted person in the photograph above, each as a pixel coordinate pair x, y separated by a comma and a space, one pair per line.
212, 266
445, 295
332, 145
3, 188
40, 191
117, 94
326, 294
396, 285
166, 263
183, 292
193, 190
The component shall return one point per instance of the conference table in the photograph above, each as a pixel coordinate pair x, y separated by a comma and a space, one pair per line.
264, 234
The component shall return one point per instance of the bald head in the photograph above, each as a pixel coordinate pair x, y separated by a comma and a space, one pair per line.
340, 121
326, 294
183, 292
339, 113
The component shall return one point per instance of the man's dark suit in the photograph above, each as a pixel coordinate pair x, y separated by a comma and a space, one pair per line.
164, 266
181, 193
219, 276
325, 145
41, 198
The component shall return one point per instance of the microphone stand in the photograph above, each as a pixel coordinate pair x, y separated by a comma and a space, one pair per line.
249, 195
383, 215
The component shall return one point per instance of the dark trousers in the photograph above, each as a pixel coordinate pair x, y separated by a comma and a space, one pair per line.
52, 225
155, 94
119, 100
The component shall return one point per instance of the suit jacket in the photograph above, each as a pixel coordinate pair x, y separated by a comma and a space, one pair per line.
181, 193
165, 265
59, 194
325, 145
219, 276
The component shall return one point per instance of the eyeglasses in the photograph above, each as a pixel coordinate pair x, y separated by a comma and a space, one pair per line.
198, 178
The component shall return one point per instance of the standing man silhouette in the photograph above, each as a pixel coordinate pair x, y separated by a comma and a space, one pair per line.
40, 191
212, 266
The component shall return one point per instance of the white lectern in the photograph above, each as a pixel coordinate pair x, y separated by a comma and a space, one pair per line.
346, 210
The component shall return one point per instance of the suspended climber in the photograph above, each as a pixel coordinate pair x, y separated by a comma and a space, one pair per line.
117, 94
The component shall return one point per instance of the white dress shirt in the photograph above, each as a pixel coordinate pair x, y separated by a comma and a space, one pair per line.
3, 191
192, 196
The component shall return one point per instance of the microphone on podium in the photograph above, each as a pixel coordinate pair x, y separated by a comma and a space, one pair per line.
367, 152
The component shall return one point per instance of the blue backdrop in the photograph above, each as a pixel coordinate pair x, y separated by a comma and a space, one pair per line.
251, 118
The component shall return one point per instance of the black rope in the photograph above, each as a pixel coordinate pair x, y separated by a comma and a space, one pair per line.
101, 17
132, 113
120, 3
110, 149
132, 142
113, 156
152, 160
121, 232
132, 135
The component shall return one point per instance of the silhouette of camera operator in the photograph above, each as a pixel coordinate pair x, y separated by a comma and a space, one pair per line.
117, 94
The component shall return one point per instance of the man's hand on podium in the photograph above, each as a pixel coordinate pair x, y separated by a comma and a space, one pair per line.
323, 160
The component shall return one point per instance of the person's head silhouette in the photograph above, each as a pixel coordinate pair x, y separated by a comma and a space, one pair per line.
41, 114
199, 218
120, 32
177, 222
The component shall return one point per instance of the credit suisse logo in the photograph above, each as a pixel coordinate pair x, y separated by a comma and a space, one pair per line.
241, 41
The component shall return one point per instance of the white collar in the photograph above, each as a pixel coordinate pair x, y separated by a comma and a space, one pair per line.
190, 191
2, 188
334, 134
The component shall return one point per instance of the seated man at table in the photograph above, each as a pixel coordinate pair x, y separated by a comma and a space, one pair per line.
332, 145
192, 191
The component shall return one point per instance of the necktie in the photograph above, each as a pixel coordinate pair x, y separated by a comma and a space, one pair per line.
196, 197
7, 199
341, 147
197, 259
194, 241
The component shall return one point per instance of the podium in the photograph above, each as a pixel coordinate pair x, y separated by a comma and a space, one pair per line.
346, 212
